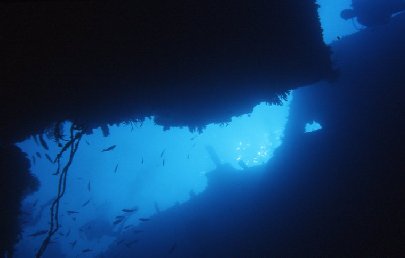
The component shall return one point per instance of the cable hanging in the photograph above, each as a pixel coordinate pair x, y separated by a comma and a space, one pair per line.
76, 134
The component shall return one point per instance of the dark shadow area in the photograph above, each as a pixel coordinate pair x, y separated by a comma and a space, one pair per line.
15, 183
337, 192
187, 63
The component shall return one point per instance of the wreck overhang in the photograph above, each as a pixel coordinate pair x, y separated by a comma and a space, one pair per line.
188, 63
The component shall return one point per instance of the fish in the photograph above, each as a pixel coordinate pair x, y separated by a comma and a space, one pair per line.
35, 203
38, 154
131, 243
163, 152
144, 219
119, 217
33, 159
88, 186
48, 158
118, 221
72, 212
73, 244
35, 139
137, 231
87, 142
173, 248
188, 156
67, 233
42, 141
120, 242
39, 233
109, 148
85, 204
130, 210
142, 161
87, 250
61, 234
126, 227
116, 168
163, 162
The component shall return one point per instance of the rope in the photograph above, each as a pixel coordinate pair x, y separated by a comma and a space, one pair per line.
73, 144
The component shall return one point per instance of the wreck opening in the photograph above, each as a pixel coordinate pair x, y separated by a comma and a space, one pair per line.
139, 165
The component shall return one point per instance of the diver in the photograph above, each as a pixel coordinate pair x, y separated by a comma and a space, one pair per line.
371, 13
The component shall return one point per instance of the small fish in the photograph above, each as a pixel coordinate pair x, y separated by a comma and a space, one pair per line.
88, 186
87, 250
35, 203
338, 38
72, 212
42, 141
129, 226
109, 148
120, 242
163, 162
39, 233
144, 219
61, 234
118, 221
173, 248
131, 243
142, 161
85, 204
130, 210
137, 231
116, 168
73, 244
38, 154
163, 152
48, 158
67, 233
188, 156
119, 217
87, 142
35, 139
33, 159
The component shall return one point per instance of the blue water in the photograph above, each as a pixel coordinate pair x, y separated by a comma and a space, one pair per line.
149, 170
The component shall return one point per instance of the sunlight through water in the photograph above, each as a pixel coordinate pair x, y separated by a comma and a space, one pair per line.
139, 166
